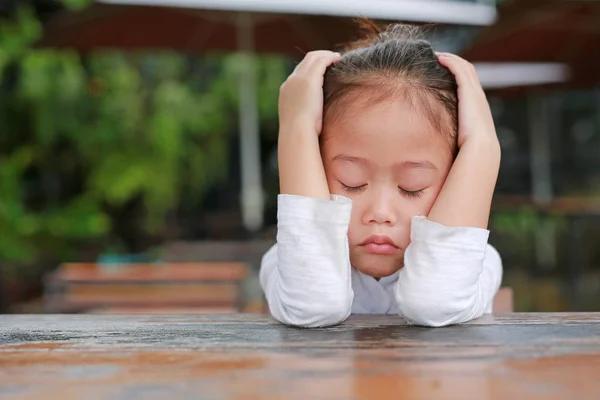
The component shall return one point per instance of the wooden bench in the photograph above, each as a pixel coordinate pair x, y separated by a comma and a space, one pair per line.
199, 287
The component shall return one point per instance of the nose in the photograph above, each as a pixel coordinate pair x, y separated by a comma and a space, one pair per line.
382, 208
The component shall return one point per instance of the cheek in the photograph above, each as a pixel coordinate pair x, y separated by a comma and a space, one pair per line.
357, 210
357, 230
427, 201
424, 204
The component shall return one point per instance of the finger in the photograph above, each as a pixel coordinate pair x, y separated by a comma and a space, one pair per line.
317, 62
319, 66
463, 71
468, 67
457, 65
314, 62
308, 59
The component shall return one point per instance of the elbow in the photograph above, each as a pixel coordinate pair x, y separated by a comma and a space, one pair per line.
432, 315
324, 314
324, 317
435, 312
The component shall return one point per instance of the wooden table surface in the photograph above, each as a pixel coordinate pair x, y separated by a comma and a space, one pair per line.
511, 356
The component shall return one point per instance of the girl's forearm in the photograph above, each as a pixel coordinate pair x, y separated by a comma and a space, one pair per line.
301, 169
465, 200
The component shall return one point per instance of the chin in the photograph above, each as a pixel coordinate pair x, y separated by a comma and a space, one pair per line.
377, 266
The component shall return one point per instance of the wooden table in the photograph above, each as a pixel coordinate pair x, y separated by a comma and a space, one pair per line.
532, 356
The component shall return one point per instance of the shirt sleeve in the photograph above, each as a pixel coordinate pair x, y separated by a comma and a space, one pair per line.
306, 276
450, 275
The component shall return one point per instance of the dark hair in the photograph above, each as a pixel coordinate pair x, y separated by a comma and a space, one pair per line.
389, 62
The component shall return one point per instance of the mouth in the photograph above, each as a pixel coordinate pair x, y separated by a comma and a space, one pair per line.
380, 244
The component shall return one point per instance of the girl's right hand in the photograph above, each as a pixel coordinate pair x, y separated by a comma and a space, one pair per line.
301, 95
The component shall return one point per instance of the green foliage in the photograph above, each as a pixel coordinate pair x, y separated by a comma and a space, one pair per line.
80, 136
17, 35
522, 224
519, 229
76, 4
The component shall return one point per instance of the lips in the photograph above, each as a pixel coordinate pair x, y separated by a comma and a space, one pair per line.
380, 244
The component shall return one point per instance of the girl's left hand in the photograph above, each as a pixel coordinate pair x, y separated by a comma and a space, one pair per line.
466, 197
474, 115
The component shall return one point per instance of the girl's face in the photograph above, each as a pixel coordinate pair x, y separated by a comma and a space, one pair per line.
392, 163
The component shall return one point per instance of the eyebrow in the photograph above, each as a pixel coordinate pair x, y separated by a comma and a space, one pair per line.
418, 164
403, 164
356, 160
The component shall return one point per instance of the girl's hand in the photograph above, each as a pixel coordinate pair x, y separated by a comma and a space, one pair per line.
474, 115
466, 197
301, 95
301, 170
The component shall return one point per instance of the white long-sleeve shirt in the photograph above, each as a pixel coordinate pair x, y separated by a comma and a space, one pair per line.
450, 275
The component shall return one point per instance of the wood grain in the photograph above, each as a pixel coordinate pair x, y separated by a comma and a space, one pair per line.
533, 356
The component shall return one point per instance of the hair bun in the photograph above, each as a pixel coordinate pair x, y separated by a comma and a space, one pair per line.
373, 33
370, 34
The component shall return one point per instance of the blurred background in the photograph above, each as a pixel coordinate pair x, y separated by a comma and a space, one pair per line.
138, 168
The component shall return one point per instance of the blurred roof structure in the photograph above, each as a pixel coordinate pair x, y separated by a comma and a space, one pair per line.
563, 32
289, 27
436, 11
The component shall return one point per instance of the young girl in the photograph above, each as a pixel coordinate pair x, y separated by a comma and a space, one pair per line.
388, 159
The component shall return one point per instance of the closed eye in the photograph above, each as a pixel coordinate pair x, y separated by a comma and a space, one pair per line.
412, 193
353, 189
